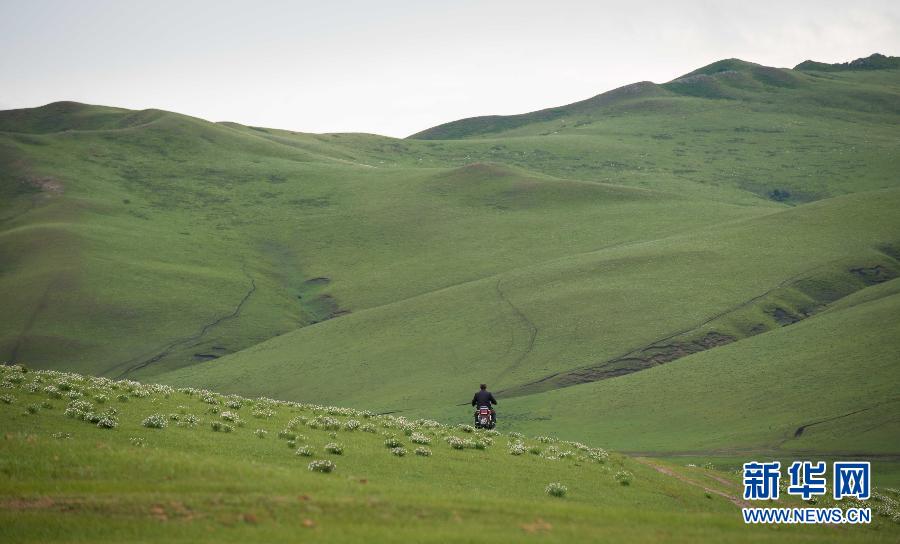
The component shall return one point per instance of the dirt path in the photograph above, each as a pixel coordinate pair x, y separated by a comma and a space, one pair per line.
669, 472
632, 361
166, 350
532, 332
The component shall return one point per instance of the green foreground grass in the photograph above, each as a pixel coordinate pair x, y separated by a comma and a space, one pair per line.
63, 479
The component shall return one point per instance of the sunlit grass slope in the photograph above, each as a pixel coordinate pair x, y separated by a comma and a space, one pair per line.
159, 471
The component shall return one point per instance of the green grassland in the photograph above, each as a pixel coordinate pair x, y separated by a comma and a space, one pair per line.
64, 479
694, 269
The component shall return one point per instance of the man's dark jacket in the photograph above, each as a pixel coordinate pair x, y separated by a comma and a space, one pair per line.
483, 398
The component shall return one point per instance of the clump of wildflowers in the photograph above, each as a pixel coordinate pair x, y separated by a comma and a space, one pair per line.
232, 417
420, 438
334, 447
556, 489
322, 465
517, 448
466, 428
107, 422
155, 421
456, 443
351, 425
7, 399
188, 420
392, 442
624, 477
399, 452
260, 433
368, 428
52, 392
304, 451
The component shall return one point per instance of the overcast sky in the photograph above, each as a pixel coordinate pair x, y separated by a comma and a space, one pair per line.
397, 67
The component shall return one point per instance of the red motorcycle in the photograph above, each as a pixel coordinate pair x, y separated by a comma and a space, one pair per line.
484, 418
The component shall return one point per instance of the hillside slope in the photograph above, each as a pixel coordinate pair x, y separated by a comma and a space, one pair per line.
652, 225
157, 470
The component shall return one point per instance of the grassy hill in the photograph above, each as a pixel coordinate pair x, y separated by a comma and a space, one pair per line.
204, 467
655, 256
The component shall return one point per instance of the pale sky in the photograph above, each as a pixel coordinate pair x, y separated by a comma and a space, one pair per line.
397, 67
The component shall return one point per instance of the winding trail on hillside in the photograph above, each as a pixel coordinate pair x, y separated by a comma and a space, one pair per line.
600, 371
532, 332
167, 349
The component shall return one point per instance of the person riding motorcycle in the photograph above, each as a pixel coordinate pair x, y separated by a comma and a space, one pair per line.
484, 398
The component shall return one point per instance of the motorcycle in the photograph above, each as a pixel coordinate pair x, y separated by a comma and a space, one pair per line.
484, 418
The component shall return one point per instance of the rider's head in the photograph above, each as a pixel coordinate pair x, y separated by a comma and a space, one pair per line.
483, 387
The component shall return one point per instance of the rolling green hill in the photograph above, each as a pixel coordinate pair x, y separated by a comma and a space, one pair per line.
654, 257
92, 459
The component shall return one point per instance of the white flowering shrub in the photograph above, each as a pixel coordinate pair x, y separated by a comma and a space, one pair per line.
61, 435
352, 424
107, 422
188, 420
304, 451
420, 438
517, 448
155, 421
287, 434
598, 455
481, 443
232, 417
423, 451
122, 398
234, 404
262, 413
544, 439
466, 428
326, 423
78, 409
516, 436
322, 465
260, 433
556, 489
7, 399
100, 399
566, 455
399, 452
368, 428
392, 442
334, 447
52, 392
624, 477
456, 443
